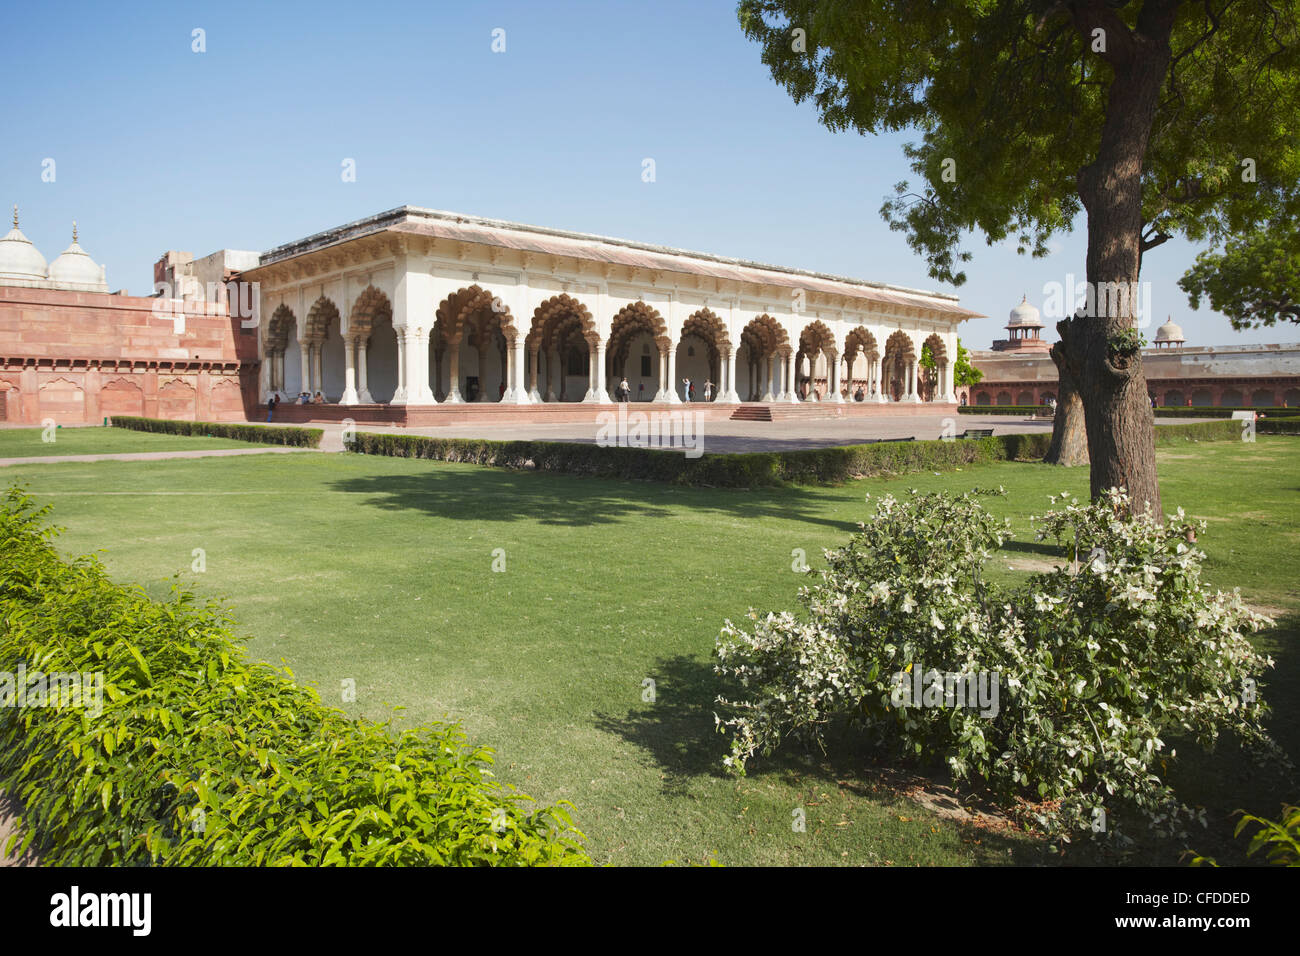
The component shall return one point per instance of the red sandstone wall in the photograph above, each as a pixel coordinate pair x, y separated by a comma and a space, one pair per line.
76, 357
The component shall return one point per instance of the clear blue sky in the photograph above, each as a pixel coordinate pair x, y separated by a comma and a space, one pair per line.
157, 147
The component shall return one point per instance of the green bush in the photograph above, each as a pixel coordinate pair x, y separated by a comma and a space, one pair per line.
753, 469
196, 756
1070, 684
1278, 426
240, 431
1161, 411
1004, 410
1174, 411
1281, 838
748, 470
1198, 431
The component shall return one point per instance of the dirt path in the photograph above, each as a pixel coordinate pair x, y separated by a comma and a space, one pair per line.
153, 455
8, 811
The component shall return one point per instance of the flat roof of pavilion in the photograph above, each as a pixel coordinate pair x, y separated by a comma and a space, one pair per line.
437, 224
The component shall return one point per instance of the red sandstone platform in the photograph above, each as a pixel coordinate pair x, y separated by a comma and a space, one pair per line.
495, 413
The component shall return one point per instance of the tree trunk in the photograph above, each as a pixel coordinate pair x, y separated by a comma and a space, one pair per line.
1117, 413
1069, 435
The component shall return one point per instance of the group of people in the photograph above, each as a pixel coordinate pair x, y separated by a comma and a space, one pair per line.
624, 391
304, 398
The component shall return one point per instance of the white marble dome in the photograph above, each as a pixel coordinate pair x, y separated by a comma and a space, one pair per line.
74, 267
1025, 316
19, 259
1170, 332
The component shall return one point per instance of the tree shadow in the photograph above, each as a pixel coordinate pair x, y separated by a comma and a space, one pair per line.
491, 494
1229, 778
1046, 549
679, 731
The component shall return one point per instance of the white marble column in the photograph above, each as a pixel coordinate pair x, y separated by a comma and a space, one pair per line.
552, 375
317, 367
729, 395
768, 367
672, 396
399, 394
363, 388
914, 376
417, 367
349, 373
602, 383
833, 378
266, 377
790, 394
534, 360
517, 387
592, 396
454, 397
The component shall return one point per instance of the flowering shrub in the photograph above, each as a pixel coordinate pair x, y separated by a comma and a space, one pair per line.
1062, 690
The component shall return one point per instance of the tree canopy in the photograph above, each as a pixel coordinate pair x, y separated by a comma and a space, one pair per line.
1010, 97
1254, 280
1154, 117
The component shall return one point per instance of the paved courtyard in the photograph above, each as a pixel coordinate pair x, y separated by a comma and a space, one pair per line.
721, 437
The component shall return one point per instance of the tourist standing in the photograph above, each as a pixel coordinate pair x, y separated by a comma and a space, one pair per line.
624, 391
708, 390
640, 392
270, 407
686, 388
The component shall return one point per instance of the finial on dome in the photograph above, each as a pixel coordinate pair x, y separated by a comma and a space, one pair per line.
15, 215
74, 230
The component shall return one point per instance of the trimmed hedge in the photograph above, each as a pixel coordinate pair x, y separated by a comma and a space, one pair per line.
1224, 411
1222, 430
747, 470
241, 431
1278, 426
1003, 409
198, 757
1161, 411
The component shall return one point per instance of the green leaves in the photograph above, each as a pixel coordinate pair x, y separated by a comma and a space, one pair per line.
261, 434
1254, 280
201, 757
1012, 102
1096, 665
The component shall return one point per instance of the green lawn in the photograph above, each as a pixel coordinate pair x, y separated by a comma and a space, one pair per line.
380, 570
97, 440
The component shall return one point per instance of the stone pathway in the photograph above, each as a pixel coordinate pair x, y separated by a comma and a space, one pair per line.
155, 455
8, 810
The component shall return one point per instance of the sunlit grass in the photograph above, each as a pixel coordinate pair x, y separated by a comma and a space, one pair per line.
381, 570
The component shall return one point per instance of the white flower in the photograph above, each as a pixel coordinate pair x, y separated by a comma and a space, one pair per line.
908, 605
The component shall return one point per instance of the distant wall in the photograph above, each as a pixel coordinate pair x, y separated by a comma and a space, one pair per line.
76, 357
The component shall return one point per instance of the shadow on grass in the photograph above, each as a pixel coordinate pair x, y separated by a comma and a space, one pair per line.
679, 731
491, 494
1046, 549
1229, 778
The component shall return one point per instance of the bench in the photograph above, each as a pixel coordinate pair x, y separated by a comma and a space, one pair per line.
976, 433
